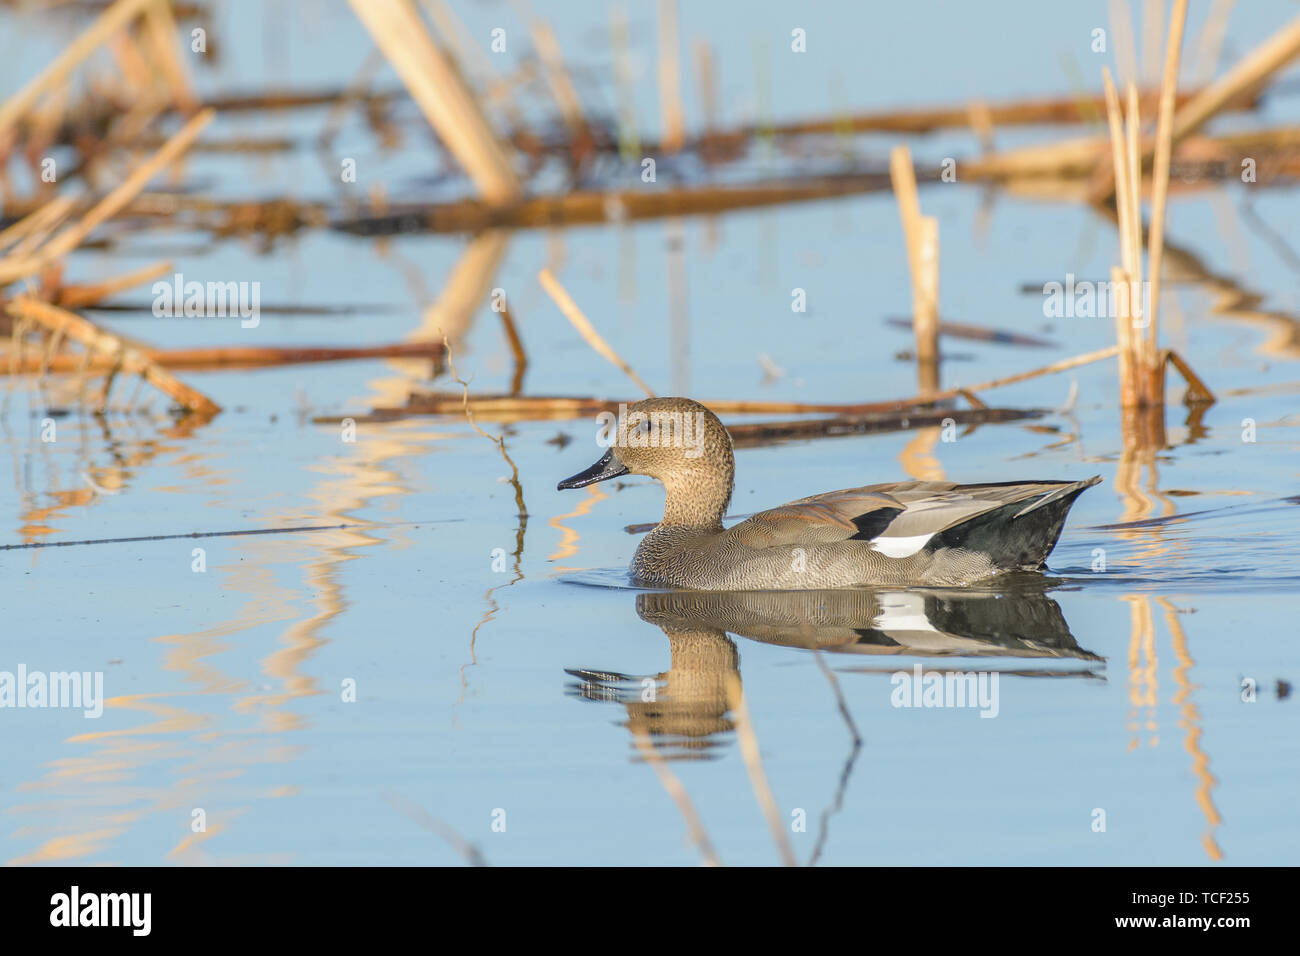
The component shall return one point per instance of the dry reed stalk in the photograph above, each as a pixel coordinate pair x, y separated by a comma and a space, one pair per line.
760, 434
708, 85
1031, 160
161, 27
1210, 42
902, 176
629, 140
670, 84
79, 296
1121, 29
1121, 279
32, 229
516, 349
1141, 362
131, 63
1141, 366
1130, 254
455, 36
926, 306
1126, 279
1244, 79
754, 764
1242, 82
126, 358
1116, 125
542, 406
46, 122
550, 212
441, 94
677, 791
1160, 172
110, 205
1198, 393
1152, 32
580, 322
228, 357
1061, 366
116, 16
921, 236
557, 78
1133, 156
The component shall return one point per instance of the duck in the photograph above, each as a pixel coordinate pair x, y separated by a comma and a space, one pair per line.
924, 533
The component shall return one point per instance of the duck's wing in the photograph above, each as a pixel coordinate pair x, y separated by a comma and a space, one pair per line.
979, 517
820, 519
902, 518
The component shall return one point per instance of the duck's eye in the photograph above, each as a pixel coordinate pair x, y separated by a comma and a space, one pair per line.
643, 427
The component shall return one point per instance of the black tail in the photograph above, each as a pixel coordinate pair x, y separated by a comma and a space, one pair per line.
1019, 535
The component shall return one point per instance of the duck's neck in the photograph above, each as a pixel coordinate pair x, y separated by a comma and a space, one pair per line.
698, 497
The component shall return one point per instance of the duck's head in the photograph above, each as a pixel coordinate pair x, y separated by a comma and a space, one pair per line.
676, 440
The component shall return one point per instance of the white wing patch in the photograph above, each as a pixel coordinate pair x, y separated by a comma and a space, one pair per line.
900, 547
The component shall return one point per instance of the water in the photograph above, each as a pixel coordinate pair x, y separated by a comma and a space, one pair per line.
499, 666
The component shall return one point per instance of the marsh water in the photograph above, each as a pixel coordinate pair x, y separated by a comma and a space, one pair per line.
426, 664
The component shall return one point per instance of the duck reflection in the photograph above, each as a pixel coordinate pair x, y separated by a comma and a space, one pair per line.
684, 710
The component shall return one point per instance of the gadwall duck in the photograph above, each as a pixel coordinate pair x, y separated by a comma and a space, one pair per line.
911, 532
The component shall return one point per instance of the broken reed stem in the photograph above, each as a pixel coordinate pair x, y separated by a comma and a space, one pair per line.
126, 358
1198, 393
110, 205
161, 26
670, 85
110, 21
577, 407
754, 764
1247, 77
629, 140
441, 94
31, 230
921, 236
903, 177
1242, 82
677, 791
1153, 15
557, 78
132, 64
708, 85
516, 349
580, 322
79, 296
223, 357
1160, 171
1061, 366
1210, 43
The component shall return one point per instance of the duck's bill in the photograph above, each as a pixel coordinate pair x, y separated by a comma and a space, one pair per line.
608, 467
